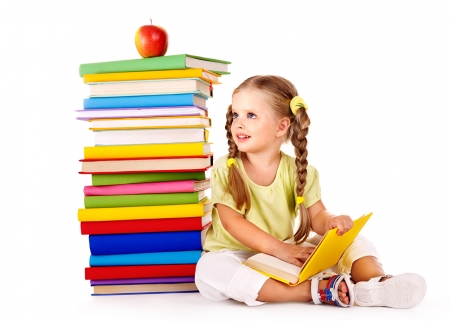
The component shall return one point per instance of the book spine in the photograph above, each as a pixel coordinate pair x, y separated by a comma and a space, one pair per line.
183, 257
175, 279
140, 212
139, 271
155, 63
143, 188
142, 151
140, 200
140, 101
113, 179
145, 242
142, 226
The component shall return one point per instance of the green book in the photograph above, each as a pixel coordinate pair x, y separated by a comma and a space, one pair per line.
143, 200
174, 62
135, 178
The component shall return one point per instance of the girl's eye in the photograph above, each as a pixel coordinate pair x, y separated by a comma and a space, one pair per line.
235, 115
251, 115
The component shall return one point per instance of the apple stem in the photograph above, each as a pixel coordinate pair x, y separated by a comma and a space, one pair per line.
151, 21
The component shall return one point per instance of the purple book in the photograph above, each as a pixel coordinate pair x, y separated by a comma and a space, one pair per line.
180, 279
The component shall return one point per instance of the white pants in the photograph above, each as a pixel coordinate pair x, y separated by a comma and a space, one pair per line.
222, 276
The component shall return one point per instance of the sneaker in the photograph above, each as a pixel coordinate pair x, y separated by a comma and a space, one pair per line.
401, 291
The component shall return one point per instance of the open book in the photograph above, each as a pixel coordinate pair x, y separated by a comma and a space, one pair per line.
326, 254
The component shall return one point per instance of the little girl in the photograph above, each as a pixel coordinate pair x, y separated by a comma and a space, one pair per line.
258, 191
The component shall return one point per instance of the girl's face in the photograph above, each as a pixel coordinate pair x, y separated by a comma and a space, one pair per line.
255, 125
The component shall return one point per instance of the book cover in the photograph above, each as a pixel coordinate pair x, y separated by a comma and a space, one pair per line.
155, 164
114, 179
143, 199
151, 87
149, 225
166, 100
138, 271
172, 62
108, 113
147, 150
107, 244
151, 122
203, 74
127, 289
144, 212
176, 257
150, 136
186, 186
326, 254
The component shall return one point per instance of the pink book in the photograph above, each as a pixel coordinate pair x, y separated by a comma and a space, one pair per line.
148, 188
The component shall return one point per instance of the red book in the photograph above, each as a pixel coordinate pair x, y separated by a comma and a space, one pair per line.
143, 226
139, 271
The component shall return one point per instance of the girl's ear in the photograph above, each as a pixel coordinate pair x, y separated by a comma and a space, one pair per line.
283, 126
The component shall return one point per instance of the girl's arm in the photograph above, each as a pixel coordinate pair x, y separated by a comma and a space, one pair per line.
253, 237
323, 221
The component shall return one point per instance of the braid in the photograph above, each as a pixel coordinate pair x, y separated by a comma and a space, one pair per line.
236, 185
299, 130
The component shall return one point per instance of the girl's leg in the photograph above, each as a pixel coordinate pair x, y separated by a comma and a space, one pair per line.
221, 276
371, 288
274, 291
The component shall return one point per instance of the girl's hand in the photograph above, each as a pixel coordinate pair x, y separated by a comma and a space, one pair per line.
294, 254
342, 222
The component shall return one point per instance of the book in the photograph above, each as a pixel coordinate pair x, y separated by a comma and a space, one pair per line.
166, 100
143, 199
172, 62
133, 178
150, 136
138, 271
203, 74
144, 288
88, 114
151, 122
148, 225
175, 279
144, 212
107, 244
326, 254
176, 257
155, 164
151, 87
147, 150
186, 186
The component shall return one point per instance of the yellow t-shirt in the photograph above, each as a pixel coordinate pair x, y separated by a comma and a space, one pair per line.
272, 207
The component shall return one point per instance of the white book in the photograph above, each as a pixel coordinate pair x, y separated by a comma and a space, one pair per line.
151, 122
146, 87
150, 136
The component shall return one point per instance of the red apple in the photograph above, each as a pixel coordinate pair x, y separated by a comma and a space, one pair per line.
151, 41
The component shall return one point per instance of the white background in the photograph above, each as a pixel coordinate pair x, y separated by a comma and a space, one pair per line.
374, 73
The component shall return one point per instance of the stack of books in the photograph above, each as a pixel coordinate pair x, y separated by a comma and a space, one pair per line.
146, 211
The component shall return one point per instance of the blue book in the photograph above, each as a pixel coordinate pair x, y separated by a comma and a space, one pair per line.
108, 244
146, 101
179, 257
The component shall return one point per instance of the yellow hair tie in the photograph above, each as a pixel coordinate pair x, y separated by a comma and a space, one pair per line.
231, 161
297, 103
299, 200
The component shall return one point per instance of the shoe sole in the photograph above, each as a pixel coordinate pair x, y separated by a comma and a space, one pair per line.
400, 292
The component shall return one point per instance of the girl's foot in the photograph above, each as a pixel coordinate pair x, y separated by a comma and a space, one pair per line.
337, 290
400, 291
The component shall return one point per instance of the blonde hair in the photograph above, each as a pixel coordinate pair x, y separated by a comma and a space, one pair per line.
278, 92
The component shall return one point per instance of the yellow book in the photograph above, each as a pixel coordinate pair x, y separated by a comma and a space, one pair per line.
203, 74
147, 150
144, 212
327, 253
